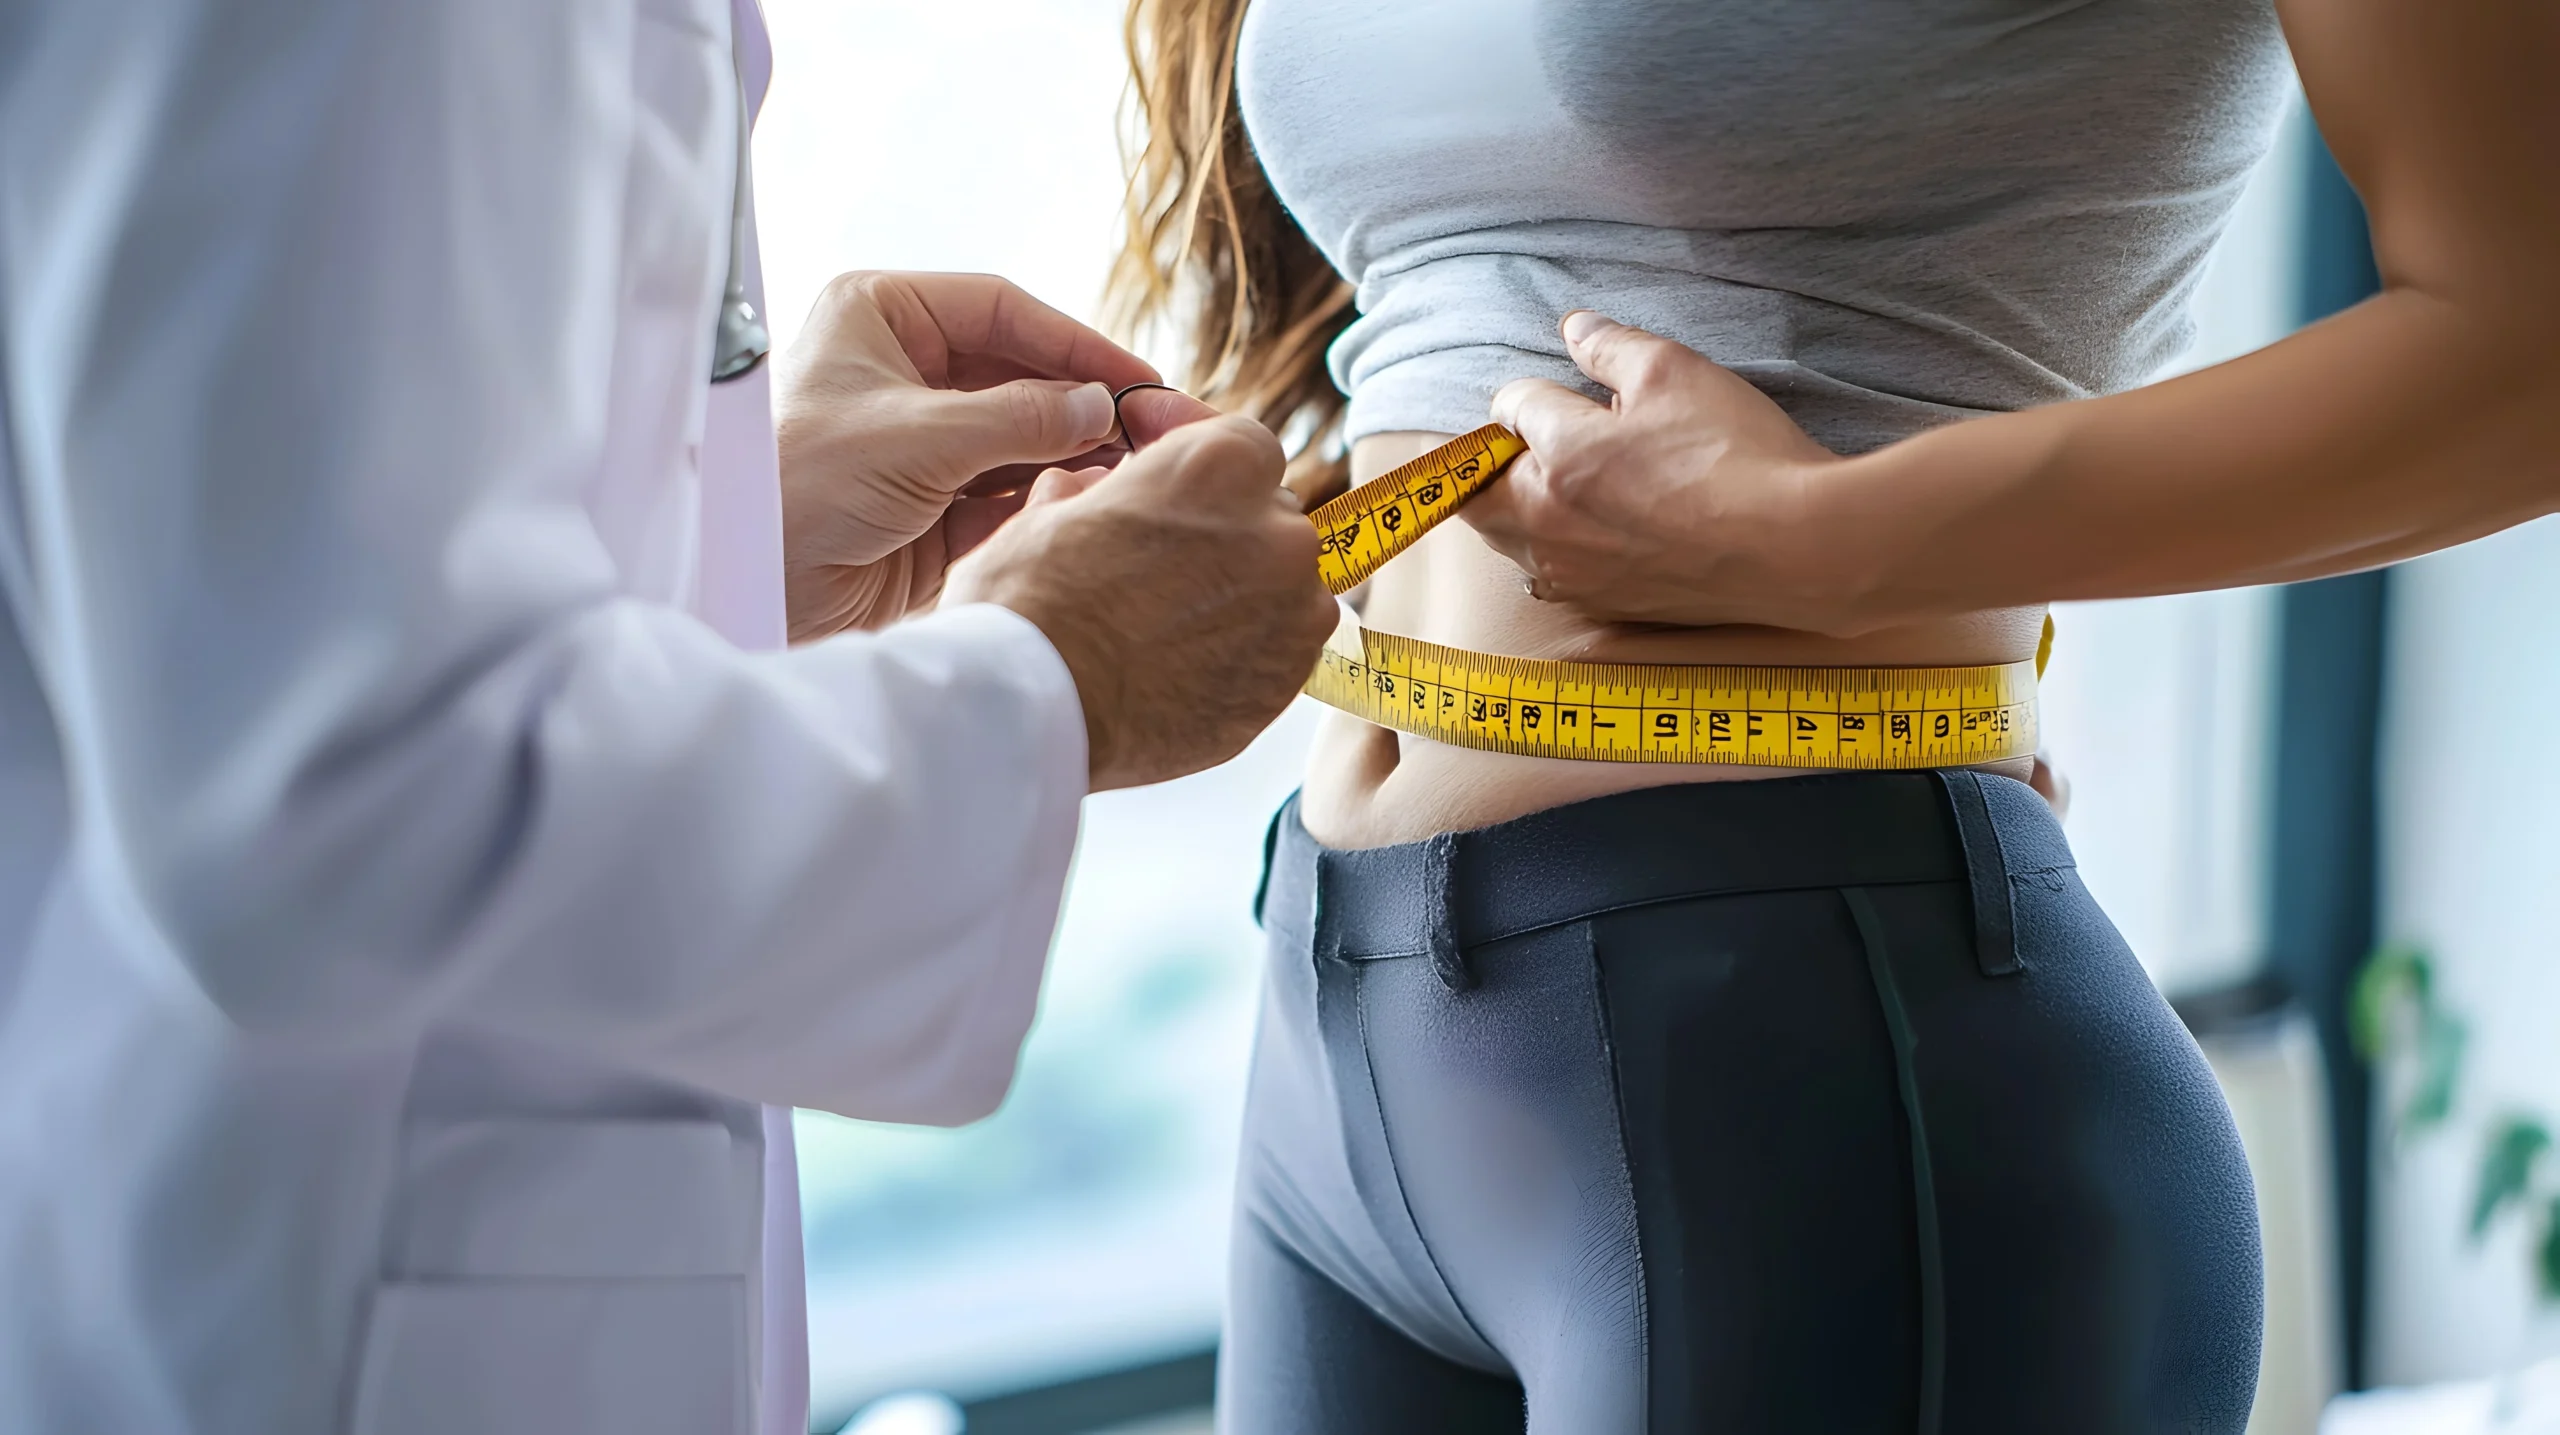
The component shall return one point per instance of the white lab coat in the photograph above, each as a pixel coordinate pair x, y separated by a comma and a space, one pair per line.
410, 913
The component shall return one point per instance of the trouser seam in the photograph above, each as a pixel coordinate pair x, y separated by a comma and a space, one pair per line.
1395, 1170
1625, 1173
1932, 1262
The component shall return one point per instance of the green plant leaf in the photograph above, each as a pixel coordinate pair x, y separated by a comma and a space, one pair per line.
2441, 1041
2395, 978
2506, 1172
2547, 1262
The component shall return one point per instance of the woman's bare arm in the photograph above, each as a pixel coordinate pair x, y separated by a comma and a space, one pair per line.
2425, 416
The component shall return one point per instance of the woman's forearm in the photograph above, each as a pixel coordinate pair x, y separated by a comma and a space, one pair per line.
2425, 416
2406, 424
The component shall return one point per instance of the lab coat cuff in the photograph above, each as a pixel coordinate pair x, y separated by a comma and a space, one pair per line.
1059, 747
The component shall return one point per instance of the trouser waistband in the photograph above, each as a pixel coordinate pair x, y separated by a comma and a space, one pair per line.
1439, 897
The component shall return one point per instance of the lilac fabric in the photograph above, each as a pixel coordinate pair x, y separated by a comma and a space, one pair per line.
741, 597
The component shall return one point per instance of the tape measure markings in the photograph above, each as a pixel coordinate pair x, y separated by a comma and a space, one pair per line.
1768, 717
1763, 716
1361, 530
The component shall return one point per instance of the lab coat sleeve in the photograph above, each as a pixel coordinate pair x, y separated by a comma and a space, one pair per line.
310, 313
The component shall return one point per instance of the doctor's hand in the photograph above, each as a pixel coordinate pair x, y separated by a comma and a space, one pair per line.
1680, 501
1180, 588
901, 391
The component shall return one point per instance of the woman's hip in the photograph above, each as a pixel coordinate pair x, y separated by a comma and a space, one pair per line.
1750, 1073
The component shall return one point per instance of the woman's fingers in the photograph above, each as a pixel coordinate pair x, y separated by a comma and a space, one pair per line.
1550, 418
1542, 411
1495, 513
1623, 358
2052, 784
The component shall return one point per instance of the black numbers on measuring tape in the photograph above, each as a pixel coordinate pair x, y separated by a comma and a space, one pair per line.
1719, 727
1804, 726
1392, 519
1900, 727
1339, 540
1466, 469
1852, 722
1428, 494
1751, 724
1529, 716
1475, 710
1502, 712
1417, 694
1938, 728
1570, 717
1666, 724
1386, 685
1448, 700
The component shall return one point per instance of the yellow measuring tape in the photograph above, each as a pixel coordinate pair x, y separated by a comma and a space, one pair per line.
1623, 712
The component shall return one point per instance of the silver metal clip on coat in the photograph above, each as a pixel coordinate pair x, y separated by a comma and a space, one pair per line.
740, 343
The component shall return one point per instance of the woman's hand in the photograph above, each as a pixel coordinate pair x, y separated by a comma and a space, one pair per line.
1679, 501
901, 393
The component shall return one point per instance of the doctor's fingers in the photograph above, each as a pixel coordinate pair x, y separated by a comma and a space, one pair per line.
1147, 414
1219, 461
1042, 421
971, 330
973, 519
1059, 484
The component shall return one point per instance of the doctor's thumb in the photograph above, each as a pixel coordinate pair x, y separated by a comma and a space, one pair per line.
1026, 421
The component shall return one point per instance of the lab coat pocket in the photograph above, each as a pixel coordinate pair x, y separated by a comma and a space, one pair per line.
564, 1276
555, 1357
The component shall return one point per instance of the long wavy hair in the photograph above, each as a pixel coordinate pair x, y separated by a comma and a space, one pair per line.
1210, 259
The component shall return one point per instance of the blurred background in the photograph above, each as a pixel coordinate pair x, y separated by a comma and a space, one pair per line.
2272, 786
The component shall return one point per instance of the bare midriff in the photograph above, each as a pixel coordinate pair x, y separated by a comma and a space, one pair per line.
1368, 786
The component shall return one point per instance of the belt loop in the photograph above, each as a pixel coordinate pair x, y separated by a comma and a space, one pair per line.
1986, 864
1270, 849
1439, 914
1325, 921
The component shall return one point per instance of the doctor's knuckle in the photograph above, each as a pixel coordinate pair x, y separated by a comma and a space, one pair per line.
1032, 415
1296, 536
1322, 616
851, 289
1239, 449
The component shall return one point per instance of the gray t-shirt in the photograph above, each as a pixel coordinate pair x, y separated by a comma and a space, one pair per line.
1885, 213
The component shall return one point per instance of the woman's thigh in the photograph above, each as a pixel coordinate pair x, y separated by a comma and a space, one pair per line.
1303, 1356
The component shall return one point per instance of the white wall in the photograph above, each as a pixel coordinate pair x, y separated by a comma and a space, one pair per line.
2159, 709
2471, 860
908, 134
